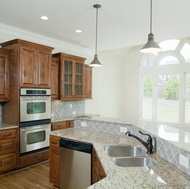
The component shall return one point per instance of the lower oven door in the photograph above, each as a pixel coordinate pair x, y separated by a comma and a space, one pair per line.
34, 138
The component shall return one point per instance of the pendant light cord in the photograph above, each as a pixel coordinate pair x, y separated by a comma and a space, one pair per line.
150, 16
96, 30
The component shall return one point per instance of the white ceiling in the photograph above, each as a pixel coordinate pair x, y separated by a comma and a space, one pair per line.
122, 23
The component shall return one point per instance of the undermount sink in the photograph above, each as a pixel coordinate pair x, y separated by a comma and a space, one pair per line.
122, 151
128, 156
132, 161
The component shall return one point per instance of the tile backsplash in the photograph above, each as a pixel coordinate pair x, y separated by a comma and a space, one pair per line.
67, 108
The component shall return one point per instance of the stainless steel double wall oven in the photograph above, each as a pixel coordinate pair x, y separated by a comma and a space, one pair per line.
35, 119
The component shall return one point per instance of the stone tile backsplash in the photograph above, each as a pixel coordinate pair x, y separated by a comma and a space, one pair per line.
67, 108
165, 149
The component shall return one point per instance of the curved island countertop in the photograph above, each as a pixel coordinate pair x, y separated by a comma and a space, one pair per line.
161, 175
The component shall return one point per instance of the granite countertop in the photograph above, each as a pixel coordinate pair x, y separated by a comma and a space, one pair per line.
4, 126
161, 175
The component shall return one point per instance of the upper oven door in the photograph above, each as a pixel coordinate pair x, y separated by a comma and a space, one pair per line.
34, 108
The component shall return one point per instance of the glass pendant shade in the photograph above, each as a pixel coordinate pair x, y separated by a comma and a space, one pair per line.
151, 46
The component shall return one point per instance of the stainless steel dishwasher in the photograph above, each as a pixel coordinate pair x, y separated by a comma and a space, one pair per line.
75, 170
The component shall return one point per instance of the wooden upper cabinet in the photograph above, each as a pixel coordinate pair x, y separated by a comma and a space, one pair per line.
4, 75
55, 79
34, 68
71, 76
34, 62
87, 81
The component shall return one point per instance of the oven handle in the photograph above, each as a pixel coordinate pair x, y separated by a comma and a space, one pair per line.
40, 98
34, 129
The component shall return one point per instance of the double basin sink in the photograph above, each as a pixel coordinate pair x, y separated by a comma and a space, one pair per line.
128, 156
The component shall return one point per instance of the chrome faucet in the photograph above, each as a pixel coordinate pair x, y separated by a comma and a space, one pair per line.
148, 144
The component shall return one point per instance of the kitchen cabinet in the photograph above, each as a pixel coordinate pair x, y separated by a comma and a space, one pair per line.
98, 172
87, 81
62, 125
32, 63
71, 72
4, 75
55, 79
8, 149
54, 161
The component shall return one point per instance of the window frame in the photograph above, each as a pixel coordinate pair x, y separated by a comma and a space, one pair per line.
155, 70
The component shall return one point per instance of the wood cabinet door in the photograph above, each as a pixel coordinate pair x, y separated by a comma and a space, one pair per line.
55, 79
28, 67
44, 69
54, 161
78, 79
4, 75
66, 79
34, 68
98, 172
87, 81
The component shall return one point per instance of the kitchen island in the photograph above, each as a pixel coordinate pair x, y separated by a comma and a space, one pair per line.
162, 175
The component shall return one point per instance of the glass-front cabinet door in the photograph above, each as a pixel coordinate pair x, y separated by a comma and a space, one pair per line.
68, 78
78, 79
72, 78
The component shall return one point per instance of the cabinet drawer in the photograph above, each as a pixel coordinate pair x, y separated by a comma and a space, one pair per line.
8, 134
34, 158
54, 141
59, 125
71, 123
7, 162
7, 146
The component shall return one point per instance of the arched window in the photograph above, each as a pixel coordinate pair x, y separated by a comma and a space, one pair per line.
165, 83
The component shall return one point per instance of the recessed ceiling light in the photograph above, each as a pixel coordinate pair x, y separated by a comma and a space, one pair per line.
78, 31
44, 18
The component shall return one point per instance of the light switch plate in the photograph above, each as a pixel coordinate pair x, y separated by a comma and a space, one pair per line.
123, 129
184, 161
83, 124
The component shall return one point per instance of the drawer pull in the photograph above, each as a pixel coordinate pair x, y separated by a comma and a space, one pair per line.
7, 135
7, 162
7, 147
53, 142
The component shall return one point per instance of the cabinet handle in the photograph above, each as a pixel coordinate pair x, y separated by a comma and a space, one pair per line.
54, 142
7, 147
7, 135
6, 162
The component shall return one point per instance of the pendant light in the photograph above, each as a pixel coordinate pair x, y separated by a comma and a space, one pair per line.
96, 62
151, 46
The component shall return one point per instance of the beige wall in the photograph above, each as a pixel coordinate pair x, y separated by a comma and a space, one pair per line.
107, 85
116, 85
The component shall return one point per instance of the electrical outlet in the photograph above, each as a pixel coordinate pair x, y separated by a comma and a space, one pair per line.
184, 161
71, 105
83, 124
74, 112
123, 129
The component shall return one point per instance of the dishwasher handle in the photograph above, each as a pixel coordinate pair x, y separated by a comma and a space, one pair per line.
76, 145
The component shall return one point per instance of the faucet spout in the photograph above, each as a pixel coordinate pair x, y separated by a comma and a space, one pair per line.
148, 145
